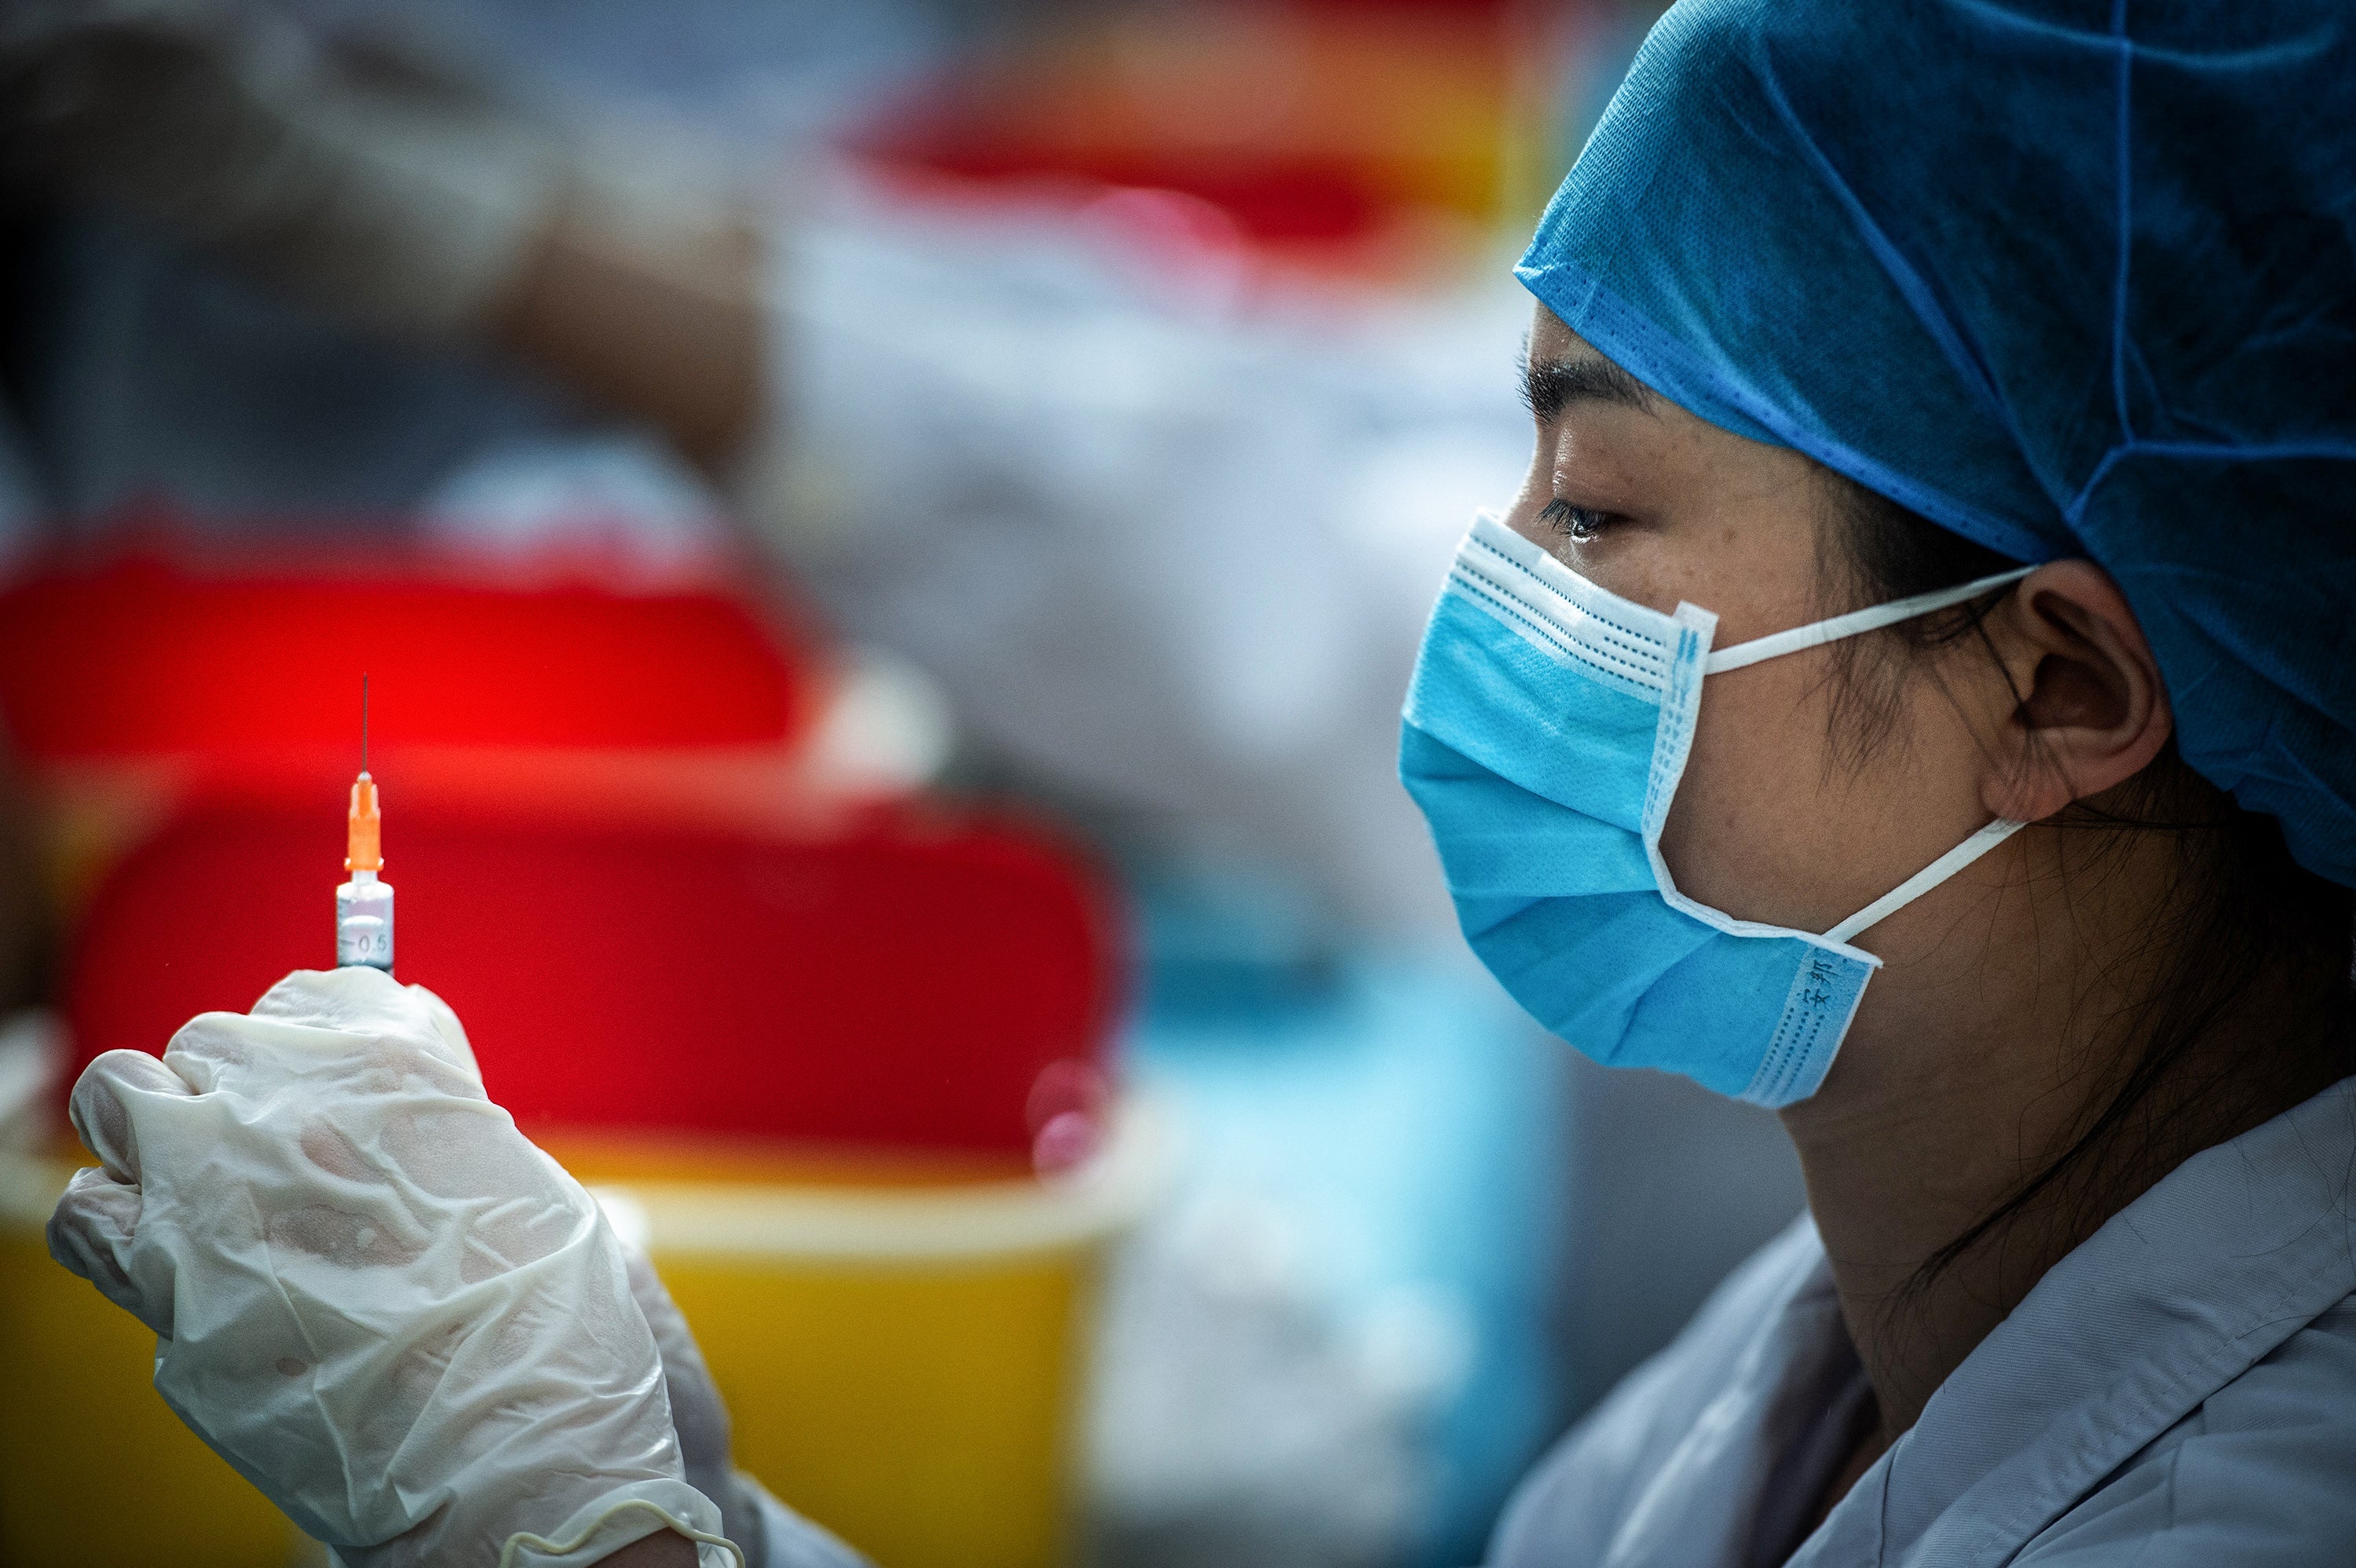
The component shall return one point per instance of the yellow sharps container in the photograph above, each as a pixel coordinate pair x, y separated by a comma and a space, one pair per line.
904, 1359
95, 1470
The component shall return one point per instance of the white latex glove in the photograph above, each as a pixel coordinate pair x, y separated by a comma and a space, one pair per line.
371, 1295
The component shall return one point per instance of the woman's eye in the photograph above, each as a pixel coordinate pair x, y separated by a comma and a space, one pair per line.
1576, 523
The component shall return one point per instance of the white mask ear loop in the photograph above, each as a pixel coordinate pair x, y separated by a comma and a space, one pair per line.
1818, 633
1929, 877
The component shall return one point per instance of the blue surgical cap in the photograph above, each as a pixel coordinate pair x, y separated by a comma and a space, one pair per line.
2069, 277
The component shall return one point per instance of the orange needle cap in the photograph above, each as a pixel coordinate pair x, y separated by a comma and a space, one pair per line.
365, 850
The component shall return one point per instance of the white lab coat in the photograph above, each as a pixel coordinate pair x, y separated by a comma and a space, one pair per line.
2179, 1391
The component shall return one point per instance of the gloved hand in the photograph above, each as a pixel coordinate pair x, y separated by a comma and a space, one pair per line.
372, 1295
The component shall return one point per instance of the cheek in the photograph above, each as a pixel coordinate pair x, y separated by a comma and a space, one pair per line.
1759, 828
1768, 826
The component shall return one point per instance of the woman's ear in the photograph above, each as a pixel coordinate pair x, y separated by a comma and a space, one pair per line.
2089, 709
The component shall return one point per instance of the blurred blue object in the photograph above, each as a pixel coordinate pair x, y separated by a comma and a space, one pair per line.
1337, 1349
2068, 279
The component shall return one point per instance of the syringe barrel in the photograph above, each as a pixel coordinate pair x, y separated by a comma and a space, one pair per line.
364, 922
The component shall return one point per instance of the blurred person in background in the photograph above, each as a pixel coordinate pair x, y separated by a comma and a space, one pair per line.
2028, 495
1096, 524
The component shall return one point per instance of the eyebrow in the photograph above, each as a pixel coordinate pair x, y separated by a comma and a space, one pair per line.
1550, 385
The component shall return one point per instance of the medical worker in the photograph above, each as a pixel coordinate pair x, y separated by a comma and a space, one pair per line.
1912, 690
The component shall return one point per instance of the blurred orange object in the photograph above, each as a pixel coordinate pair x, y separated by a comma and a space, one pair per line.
1353, 137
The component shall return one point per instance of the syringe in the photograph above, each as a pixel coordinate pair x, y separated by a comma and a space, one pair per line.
364, 905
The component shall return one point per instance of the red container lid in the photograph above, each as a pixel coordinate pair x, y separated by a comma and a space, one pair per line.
146, 655
901, 986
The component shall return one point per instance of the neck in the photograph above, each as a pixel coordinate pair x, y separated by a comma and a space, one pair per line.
1964, 1079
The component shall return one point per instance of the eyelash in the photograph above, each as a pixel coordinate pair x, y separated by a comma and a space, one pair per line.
1578, 524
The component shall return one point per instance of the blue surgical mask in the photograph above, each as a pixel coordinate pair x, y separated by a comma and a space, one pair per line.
1545, 729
